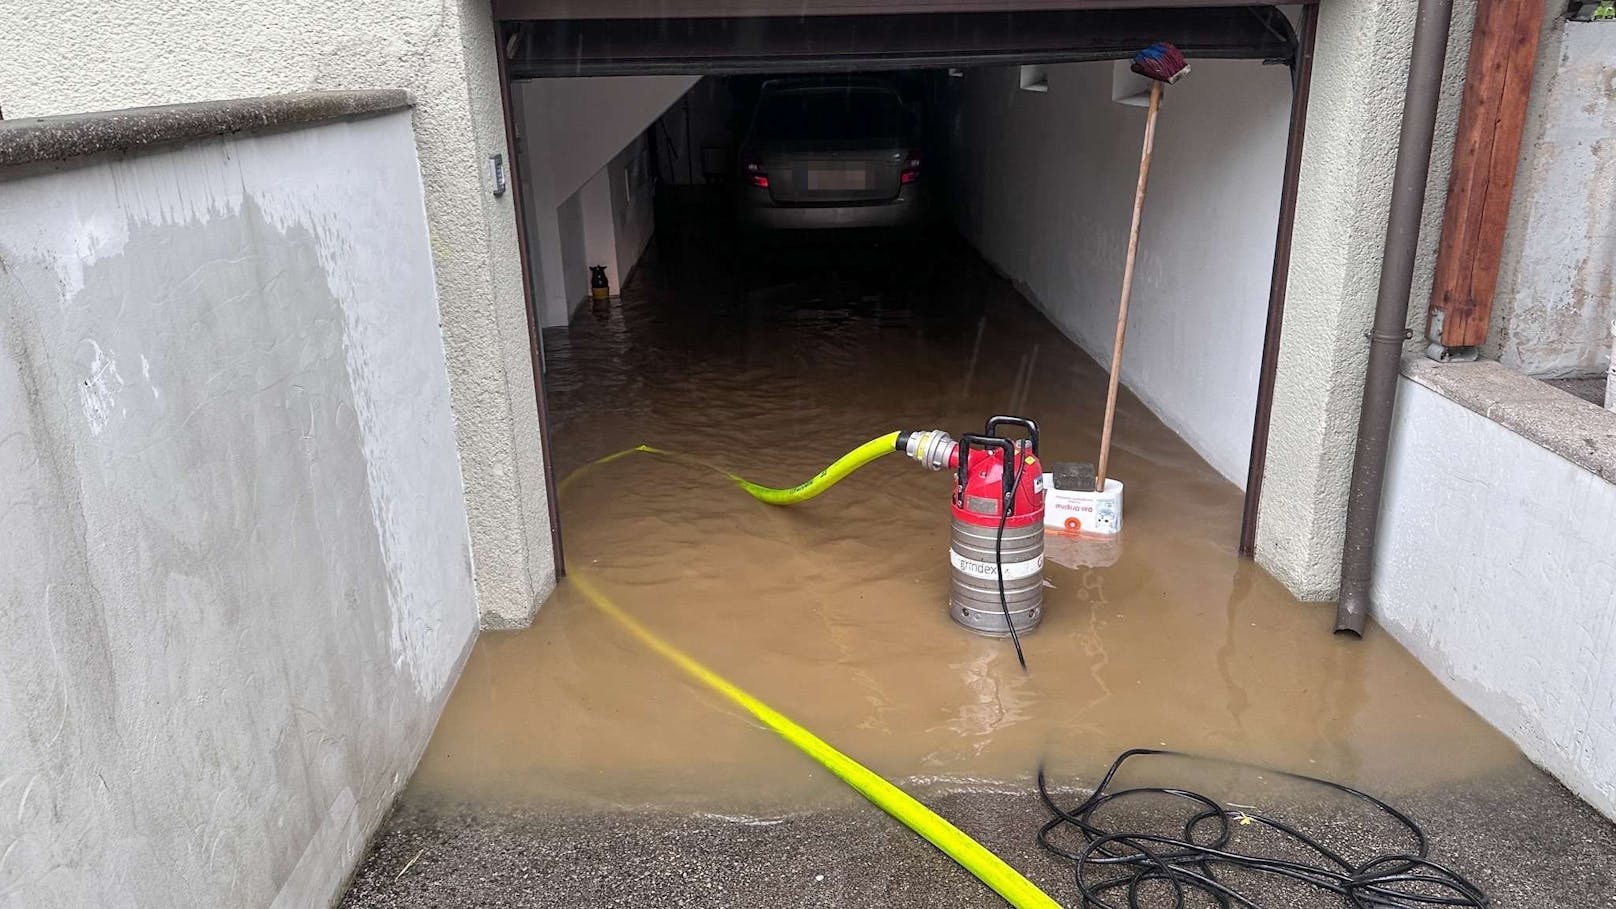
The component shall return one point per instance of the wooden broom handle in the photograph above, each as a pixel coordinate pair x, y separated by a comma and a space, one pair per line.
1127, 287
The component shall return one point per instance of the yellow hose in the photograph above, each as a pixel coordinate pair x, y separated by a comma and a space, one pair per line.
955, 843
825, 479
971, 855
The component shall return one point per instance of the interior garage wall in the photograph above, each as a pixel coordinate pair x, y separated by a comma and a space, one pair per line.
588, 121
696, 133
633, 205
67, 58
570, 129
237, 583
574, 252
1494, 569
617, 217
599, 227
1047, 194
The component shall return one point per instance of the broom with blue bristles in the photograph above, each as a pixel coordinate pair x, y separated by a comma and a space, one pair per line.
1163, 65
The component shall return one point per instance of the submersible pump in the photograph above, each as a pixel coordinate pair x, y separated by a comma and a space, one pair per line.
996, 544
996, 541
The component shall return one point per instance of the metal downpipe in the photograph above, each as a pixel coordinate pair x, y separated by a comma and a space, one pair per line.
1391, 311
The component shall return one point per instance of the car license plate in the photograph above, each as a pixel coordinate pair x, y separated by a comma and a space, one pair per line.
840, 179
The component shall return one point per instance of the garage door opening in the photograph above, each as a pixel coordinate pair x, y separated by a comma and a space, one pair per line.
550, 54
1025, 167
768, 352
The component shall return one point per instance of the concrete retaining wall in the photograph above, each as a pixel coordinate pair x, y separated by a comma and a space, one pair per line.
1495, 563
237, 582
71, 58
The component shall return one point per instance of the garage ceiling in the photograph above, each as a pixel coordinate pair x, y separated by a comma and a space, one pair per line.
753, 44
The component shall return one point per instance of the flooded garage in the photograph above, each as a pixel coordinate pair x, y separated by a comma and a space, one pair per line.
574, 766
808, 453
749, 274
835, 610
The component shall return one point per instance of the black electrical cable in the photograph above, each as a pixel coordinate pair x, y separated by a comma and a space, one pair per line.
1190, 865
998, 553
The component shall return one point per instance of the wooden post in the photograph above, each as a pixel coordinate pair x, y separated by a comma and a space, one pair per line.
1127, 285
1486, 151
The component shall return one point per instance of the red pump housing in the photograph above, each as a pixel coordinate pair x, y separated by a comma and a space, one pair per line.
979, 488
996, 537
996, 569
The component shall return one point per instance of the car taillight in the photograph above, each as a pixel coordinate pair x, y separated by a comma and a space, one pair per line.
756, 174
911, 168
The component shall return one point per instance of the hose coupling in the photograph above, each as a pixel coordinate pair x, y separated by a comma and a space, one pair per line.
931, 447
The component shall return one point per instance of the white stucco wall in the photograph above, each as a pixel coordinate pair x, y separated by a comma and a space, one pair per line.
1048, 196
1557, 278
237, 581
1360, 72
1495, 569
58, 59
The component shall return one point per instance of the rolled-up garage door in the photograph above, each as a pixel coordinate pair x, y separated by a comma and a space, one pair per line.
754, 44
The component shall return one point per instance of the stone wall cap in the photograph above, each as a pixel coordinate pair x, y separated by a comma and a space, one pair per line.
1579, 431
42, 139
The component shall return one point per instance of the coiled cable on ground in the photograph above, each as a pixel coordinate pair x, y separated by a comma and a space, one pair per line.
1201, 865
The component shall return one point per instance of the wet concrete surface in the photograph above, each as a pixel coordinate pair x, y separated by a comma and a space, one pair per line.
1525, 840
573, 767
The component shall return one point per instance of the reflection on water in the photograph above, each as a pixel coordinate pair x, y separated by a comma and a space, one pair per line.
834, 611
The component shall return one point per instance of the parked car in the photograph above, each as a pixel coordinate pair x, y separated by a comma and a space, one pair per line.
830, 153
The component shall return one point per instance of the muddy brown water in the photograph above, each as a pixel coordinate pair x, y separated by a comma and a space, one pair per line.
834, 611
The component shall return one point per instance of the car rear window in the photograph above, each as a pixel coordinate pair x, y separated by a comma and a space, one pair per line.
833, 114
